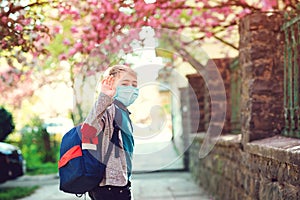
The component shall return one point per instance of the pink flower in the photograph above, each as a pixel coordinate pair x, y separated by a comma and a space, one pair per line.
57, 29
99, 26
108, 6
38, 27
74, 29
149, 7
18, 27
26, 21
153, 22
3, 44
86, 29
209, 34
244, 13
66, 41
4, 19
72, 52
75, 14
269, 4
177, 12
78, 45
35, 54
20, 41
93, 35
91, 46
63, 56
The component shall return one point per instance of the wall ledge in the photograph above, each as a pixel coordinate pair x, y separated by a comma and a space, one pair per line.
280, 148
228, 140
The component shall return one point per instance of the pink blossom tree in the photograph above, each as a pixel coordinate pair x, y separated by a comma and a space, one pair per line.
21, 43
100, 19
108, 23
21, 25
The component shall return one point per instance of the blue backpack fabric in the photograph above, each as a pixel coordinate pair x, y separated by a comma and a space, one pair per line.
81, 170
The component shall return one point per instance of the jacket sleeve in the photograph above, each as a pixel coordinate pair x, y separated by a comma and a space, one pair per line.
93, 124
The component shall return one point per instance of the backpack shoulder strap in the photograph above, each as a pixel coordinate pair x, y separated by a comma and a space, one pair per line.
114, 141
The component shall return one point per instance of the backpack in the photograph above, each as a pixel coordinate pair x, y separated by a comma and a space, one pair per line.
81, 170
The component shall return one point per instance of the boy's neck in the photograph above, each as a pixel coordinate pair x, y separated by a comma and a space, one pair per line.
121, 105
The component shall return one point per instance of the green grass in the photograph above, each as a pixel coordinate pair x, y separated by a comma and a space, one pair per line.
13, 193
42, 168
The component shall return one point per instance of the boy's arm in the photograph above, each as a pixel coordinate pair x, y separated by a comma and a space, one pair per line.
93, 124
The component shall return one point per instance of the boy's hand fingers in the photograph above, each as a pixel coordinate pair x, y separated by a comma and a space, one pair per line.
111, 81
106, 80
108, 86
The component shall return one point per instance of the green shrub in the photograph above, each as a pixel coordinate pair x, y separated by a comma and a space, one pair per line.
39, 148
16, 192
42, 168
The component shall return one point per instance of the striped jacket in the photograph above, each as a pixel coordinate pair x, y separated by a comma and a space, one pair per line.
100, 121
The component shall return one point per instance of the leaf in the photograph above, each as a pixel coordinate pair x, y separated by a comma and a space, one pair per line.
163, 53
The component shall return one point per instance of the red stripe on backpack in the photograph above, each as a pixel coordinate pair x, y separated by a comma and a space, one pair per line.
72, 153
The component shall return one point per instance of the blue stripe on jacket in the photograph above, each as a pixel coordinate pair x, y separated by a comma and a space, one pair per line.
123, 121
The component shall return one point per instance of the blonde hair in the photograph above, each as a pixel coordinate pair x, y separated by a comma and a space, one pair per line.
116, 70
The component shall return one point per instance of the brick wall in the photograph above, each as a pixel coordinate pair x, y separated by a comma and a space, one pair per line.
231, 173
258, 163
199, 88
261, 62
197, 110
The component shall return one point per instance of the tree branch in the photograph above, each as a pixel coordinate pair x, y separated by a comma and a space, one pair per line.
186, 55
225, 42
18, 8
221, 5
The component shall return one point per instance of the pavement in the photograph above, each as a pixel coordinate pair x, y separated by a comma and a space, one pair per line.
145, 186
157, 174
149, 157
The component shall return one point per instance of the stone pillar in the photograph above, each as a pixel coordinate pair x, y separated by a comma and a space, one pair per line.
197, 88
261, 62
223, 66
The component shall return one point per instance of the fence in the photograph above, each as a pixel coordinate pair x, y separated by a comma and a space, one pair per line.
291, 30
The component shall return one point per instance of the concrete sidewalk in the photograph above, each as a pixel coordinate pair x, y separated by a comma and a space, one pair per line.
149, 157
167, 185
157, 186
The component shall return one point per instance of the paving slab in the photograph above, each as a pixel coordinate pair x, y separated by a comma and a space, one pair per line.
167, 185
149, 157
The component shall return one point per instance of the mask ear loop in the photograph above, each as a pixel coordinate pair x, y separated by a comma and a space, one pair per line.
116, 94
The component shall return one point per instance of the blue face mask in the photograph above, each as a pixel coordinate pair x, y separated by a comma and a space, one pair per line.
126, 94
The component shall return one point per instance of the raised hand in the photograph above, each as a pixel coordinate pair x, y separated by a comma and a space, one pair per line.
108, 87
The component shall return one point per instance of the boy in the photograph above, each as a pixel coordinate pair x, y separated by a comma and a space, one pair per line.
118, 90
